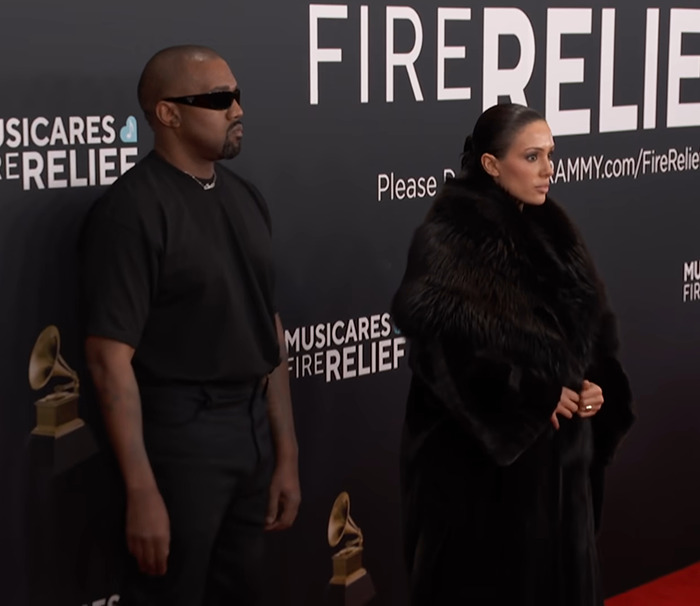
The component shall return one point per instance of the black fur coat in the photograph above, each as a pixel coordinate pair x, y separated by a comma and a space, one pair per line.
503, 307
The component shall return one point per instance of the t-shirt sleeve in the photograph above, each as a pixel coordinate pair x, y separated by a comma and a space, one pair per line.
119, 271
267, 217
261, 203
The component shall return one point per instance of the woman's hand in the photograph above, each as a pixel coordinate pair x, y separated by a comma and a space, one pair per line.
591, 400
567, 406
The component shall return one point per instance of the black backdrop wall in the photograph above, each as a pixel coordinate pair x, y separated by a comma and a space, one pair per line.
354, 114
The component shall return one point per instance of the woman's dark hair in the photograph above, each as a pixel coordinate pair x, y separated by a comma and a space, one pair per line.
493, 133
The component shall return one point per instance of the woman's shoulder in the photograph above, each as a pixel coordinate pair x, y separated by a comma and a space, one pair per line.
461, 192
468, 205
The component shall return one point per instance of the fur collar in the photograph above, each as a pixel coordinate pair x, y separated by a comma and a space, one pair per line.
516, 285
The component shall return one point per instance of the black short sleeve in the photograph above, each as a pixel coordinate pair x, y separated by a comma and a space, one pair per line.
260, 201
119, 271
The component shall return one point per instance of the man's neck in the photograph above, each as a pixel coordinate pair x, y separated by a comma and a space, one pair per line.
201, 168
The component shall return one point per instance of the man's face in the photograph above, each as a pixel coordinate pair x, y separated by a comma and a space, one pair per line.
208, 134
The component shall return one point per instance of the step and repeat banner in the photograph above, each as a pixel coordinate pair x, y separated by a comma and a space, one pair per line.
355, 114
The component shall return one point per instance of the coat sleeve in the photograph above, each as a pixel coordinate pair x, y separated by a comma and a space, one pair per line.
498, 405
616, 416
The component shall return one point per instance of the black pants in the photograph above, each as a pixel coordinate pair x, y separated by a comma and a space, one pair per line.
212, 456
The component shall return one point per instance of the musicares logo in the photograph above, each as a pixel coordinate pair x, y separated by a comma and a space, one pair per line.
345, 349
66, 152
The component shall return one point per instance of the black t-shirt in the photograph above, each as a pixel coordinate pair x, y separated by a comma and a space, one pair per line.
182, 274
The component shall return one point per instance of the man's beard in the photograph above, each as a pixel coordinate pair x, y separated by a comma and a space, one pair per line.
231, 147
230, 150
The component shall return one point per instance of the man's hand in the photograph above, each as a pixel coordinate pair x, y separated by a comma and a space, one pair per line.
147, 522
148, 530
285, 496
566, 407
591, 400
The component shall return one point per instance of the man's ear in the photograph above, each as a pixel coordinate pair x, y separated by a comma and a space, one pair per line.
167, 113
489, 163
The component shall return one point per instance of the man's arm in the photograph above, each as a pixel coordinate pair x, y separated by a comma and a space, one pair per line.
147, 522
285, 494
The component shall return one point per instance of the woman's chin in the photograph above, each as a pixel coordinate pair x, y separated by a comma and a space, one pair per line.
536, 200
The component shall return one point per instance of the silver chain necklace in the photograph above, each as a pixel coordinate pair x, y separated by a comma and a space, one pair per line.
205, 186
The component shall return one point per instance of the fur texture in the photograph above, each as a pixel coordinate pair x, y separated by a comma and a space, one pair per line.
503, 308
519, 283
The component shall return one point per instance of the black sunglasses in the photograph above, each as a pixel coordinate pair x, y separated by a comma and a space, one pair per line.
220, 100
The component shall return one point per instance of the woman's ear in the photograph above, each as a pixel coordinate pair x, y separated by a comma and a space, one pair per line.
489, 163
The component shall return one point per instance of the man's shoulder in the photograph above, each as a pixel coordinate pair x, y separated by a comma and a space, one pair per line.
148, 173
134, 195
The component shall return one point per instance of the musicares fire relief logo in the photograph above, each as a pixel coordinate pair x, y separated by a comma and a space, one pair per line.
66, 152
345, 349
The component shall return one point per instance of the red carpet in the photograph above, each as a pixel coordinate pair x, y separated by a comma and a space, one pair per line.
680, 588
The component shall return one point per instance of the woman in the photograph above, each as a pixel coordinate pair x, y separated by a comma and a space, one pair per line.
517, 400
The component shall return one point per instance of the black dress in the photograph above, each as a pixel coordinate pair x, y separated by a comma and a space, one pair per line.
503, 308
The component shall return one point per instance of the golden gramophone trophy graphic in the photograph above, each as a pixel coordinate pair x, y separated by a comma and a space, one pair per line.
351, 584
64, 438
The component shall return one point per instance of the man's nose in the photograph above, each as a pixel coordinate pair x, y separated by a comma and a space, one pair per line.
235, 111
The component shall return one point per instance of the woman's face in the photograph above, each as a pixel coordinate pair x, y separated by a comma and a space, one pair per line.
525, 169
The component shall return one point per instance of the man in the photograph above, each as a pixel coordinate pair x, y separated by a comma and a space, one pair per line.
183, 344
